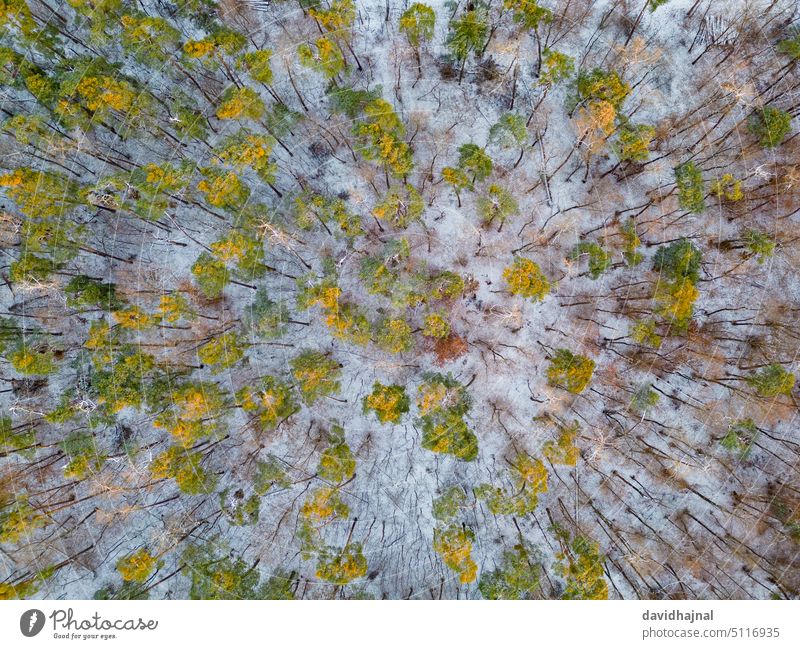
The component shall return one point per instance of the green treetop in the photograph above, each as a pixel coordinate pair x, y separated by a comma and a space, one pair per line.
516, 578
772, 381
417, 23
770, 125
569, 371
317, 374
388, 402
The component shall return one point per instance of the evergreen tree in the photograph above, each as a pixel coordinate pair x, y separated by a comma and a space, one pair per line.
770, 125
772, 381
691, 192
316, 374
417, 23
581, 564
569, 371
599, 259
468, 34
388, 402
525, 278
516, 578
442, 404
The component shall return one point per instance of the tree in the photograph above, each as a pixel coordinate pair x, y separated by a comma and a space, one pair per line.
678, 265
245, 149
134, 318
457, 179
581, 563
442, 403
791, 46
342, 566
569, 371
337, 463
324, 56
529, 477
337, 18
516, 578
447, 506
393, 335
633, 141
563, 450
436, 326
35, 361
349, 101
16, 441
49, 235
770, 125
129, 380
760, 244
316, 373
417, 23
454, 544
349, 322
272, 401
631, 243
270, 474
240, 103
266, 318
222, 352
446, 285
691, 192
601, 85
595, 123
644, 332
323, 504
211, 50
525, 278
400, 207
740, 437
82, 291
728, 188
678, 260
528, 13
644, 399
84, 456
93, 91
151, 39
497, 204
137, 566
388, 402
676, 302
223, 188
194, 411
277, 587
183, 466
468, 33
380, 133
18, 520
509, 131
211, 275
556, 66
599, 259
257, 65
313, 208
218, 577
240, 511
474, 161
772, 381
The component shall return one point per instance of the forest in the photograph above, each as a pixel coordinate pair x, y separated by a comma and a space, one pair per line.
382, 299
